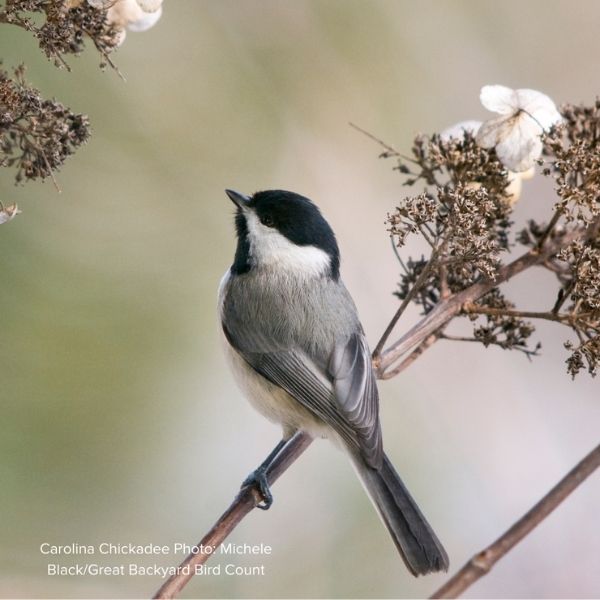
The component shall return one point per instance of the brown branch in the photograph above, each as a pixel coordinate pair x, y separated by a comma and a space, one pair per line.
472, 309
482, 563
460, 338
415, 288
447, 309
547, 232
389, 150
245, 501
416, 353
574, 319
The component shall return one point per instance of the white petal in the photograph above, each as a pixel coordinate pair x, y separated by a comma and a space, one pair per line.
519, 150
8, 213
98, 3
514, 187
149, 5
495, 130
515, 184
123, 12
529, 174
120, 37
146, 22
457, 131
540, 107
499, 99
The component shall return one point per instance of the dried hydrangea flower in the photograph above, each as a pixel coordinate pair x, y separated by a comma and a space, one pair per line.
36, 135
150, 5
516, 134
134, 15
8, 213
515, 185
457, 131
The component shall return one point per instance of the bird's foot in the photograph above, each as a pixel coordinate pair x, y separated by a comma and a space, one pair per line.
258, 480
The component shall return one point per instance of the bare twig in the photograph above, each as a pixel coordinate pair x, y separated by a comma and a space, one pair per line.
445, 310
389, 150
416, 353
459, 338
548, 231
473, 309
574, 319
415, 288
482, 563
244, 502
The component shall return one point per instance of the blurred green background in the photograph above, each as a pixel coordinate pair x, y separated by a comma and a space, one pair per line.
119, 421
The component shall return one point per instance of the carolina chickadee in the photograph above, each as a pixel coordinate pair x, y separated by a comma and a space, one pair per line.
298, 351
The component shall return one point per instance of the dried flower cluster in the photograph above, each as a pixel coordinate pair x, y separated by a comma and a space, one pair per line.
62, 27
464, 214
65, 24
574, 152
36, 135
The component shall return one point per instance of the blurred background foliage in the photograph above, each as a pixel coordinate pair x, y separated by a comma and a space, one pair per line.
118, 419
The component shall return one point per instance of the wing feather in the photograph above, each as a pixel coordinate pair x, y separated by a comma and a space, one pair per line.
342, 393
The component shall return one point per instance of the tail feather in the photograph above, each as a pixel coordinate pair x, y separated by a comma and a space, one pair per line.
418, 545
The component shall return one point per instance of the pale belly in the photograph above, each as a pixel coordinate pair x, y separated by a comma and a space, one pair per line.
270, 400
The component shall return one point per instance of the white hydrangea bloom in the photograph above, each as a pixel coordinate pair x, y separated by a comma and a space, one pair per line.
98, 3
8, 213
457, 132
135, 15
148, 20
516, 134
515, 184
150, 5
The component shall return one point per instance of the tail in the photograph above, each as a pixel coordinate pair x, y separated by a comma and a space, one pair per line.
419, 547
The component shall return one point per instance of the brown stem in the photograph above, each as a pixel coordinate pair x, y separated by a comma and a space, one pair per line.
245, 501
445, 310
413, 290
410, 359
482, 563
553, 221
574, 319
390, 150
472, 309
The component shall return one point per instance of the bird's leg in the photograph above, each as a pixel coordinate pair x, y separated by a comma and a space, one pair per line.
259, 480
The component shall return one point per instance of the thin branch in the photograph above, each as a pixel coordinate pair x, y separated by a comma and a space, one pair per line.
389, 150
482, 563
245, 501
472, 309
423, 230
416, 353
415, 288
542, 240
526, 351
575, 319
447, 309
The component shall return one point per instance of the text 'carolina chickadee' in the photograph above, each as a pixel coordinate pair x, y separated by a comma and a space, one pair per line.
299, 353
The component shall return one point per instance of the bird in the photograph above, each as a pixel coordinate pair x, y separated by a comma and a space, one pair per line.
297, 349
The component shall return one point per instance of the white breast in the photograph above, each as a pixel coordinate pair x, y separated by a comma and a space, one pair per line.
271, 249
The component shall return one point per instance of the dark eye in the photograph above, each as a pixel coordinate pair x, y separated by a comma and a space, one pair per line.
267, 220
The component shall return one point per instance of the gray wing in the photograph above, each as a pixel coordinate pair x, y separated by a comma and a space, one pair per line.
342, 393
356, 394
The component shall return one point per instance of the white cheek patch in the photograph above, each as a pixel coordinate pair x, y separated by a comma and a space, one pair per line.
268, 248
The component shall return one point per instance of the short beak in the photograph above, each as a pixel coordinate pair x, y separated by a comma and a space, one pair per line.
239, 199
